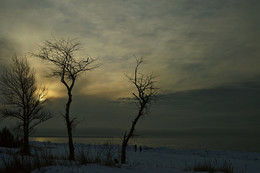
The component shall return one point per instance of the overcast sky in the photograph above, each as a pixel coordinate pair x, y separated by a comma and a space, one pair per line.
204, 53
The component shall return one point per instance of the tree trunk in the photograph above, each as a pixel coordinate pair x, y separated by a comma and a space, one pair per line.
123, 154
71, 146
129, 135
69, 127
26, 149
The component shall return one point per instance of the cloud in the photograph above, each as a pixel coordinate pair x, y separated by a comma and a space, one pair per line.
212, 43
7, 49
194, 44
187, 44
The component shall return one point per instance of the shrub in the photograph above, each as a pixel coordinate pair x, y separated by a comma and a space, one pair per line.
7, 139
43, 158
16, 164
226, 167
109, 154
83, 156
103, 154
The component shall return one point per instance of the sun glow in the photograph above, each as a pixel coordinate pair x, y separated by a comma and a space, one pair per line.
41, 98
55, 94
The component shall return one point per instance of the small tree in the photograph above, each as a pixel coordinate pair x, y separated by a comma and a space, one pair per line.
145, 94
61, 54
23, 100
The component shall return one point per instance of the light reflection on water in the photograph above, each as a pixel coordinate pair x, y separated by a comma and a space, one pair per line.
77, 140
151, 142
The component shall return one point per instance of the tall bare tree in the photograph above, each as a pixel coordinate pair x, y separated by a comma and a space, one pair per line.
22, 99
61, 54
145, 94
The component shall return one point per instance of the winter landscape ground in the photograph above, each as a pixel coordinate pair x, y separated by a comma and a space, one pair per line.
52, 157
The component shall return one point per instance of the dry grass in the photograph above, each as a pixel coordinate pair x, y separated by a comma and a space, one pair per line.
208, 166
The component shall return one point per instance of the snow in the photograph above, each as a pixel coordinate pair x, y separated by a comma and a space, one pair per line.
150, 160
83, 169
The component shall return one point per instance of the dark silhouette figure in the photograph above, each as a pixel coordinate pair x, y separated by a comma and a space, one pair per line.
135, 148
116, 161
140, 149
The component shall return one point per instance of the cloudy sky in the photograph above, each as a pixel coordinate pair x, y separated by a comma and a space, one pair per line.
205, 55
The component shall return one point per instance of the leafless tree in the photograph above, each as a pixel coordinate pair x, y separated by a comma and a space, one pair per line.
22, 99
61, 54
145, 94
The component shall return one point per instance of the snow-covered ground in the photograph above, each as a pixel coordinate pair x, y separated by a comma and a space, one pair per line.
150, 160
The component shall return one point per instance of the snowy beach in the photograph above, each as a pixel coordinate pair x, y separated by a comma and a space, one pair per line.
52, 157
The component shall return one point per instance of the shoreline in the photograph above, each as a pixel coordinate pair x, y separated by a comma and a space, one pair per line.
145, 147
150, 142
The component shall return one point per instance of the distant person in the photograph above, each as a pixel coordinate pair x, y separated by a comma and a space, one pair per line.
140, 148
116, 161
135, 148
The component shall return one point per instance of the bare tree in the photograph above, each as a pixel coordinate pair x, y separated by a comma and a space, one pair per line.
22, 99
145, 94
61, 54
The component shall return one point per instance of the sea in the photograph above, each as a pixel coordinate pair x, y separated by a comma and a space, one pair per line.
213, 143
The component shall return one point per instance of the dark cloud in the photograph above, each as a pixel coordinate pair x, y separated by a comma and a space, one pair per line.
232, 109
234, 106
